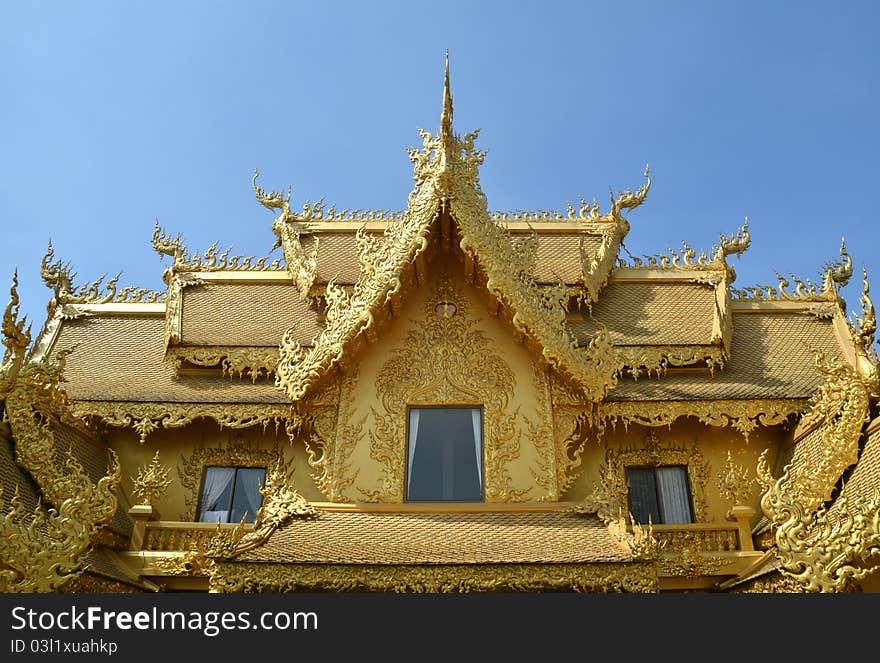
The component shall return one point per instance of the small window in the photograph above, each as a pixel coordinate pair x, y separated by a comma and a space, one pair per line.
659, 494
445, 454
228, 493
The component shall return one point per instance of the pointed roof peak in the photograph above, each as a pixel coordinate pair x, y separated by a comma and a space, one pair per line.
446, 115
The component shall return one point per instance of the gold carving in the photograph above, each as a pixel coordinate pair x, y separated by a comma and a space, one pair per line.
654, 360
251, 362
571, 426
771, 583
445, 360
151, 482
734, 244
735, 482
862, 331
840, 406
210, 260
176, 282
42, 551
324, 423
540, 434
446, 178
330, 435
440, 578
238, 453
687, 559
281, 504
146, 417
824, 550
835, 276
318, 210
639, 539
90, 583
686, 259
743, 416
57, 276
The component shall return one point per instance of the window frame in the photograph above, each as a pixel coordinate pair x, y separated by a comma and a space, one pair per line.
236, 468
482, 466
654, 468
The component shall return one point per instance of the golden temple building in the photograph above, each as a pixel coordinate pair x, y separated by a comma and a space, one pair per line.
442, 399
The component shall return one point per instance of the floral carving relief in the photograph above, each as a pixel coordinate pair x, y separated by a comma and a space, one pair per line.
445, 359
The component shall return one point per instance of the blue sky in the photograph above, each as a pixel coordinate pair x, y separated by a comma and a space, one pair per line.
116, 114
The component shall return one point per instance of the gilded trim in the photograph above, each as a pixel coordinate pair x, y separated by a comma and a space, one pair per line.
446, 178
145, 417
824, 549
236, 361
58, 277
741, 415
441, 578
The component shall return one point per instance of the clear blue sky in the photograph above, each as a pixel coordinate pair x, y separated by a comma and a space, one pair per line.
118, 113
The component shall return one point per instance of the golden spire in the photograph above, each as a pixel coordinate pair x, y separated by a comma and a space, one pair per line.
446, 115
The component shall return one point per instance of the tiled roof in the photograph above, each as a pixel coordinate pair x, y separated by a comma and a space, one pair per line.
772, 356
120, 358
865, 477
337, 256
103, 562
663, 313
245, 314
441, 538
558, 255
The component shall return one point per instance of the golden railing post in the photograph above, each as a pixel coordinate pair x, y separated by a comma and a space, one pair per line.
140, 514
743, 516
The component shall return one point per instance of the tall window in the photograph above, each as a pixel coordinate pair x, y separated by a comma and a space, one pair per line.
445, 454
228, 493
661, 494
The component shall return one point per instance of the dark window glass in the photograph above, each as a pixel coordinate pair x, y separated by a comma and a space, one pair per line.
660, 495
641, 484
228, 493
445, 454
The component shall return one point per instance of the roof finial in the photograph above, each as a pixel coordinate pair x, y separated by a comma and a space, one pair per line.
446, 115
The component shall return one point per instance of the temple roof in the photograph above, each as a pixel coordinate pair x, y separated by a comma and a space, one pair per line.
561, 252
245, 314
442, 538
121, 358
773, 356
651, 313
233, 330
863, 484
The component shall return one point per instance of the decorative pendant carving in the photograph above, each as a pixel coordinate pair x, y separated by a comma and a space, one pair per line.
151, 482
